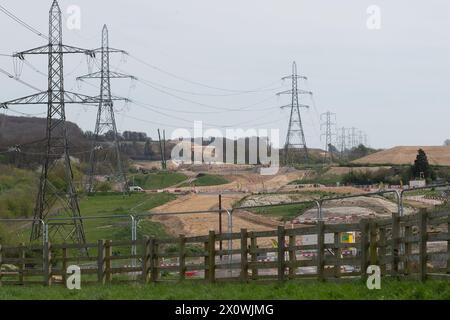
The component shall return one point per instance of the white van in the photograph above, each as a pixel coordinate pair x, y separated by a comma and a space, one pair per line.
135, 189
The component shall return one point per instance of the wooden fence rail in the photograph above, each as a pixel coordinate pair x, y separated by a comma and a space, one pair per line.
410, 246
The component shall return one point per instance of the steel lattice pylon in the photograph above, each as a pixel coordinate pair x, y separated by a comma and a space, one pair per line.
57, 147
329, 122
105, 115
295, 140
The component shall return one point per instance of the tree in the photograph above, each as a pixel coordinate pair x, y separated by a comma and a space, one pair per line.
447, 143
421, 166
148, 152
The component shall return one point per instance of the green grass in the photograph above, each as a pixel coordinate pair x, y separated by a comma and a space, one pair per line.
17, 192
109, 204
158, 180
207, 180
286, 213
293, 290
118, 204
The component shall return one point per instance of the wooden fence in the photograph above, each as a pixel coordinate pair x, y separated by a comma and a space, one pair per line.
411, 246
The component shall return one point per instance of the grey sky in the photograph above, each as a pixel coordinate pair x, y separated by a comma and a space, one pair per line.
392, 83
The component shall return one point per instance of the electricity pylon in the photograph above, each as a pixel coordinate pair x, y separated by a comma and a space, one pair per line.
57, 146
105, 115
329, 121
295, 140
342, 141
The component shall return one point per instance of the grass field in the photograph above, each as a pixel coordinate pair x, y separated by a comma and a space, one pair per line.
207, 180
108, 204
158, 180
285, 213
117, 204
294, 290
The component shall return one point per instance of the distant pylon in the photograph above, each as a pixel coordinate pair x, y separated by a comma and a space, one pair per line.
342, 141
353, 138
105, 115
295, 140
329, 122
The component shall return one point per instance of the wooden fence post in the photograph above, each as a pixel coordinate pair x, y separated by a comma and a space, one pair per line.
320, 249
154, 264
1, 262
64, 265
212, 256
101, 262
47, 265
281, 252
408, 233
373, 243
364, 226
292, 257
244, 251
382, 251
448, 245
21, 262
108, 262
182, 257
337, 255
145, 259
423, 245
254, 255
395, 244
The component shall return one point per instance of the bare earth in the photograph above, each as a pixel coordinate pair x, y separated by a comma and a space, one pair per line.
437, 155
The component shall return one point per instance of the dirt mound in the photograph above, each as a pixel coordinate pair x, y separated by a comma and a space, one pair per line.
437, 155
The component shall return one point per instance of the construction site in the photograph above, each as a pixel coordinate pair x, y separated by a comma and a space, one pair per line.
102, 194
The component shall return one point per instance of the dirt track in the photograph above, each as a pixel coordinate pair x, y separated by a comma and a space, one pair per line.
200, 224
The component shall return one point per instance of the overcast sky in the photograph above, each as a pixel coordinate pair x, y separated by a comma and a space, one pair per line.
392, 82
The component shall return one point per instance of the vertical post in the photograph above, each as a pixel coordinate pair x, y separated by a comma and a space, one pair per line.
395, 243
244, 262
364, 226
1, 262
64, 265
101, 262
47, 264
320, 249
146, 251
337, 255
292, 257
281, 250
373, 243
206, 259
182, 257
212, 256
108, 254
382, 251
254, 255
408, 233
423, 245
220, 224
448, 245
154, 264
21, 262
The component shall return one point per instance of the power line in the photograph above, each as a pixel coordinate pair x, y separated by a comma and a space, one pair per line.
199, 83
203, 94
220, 109
22, 23
9, 75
